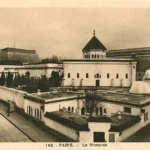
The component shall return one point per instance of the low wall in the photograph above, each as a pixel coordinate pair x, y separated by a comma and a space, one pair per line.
14, 95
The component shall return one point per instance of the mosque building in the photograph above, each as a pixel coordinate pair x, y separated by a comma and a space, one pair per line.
95, 69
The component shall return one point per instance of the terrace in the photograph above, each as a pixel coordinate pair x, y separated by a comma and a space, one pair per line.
49, 97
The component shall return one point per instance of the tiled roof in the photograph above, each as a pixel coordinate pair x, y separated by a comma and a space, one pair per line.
69, 119
126, 121
94, 44
99, 119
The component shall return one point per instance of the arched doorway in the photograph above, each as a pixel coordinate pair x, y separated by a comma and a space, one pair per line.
83, 111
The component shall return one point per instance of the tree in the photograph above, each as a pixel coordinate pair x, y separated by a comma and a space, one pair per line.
53, 59
27, 74
55, 79
91, 104
9, 79
43, 84
2, 79
17, 80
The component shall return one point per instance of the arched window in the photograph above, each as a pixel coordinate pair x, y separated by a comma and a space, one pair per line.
117, 76
77, 75
96, 111
83, 111
126, 76
72, 109
97, 56
105, 110
92, 56
107, 75
68, 108
89, 56
98, 76
87, 75
68, 75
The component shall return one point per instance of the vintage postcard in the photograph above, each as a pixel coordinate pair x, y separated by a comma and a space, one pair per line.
74, 74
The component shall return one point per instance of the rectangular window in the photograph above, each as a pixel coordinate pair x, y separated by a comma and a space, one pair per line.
99, 137
146, 116
126, 76
87, 75
142, 110
68, 75
117, 76
77, 75
35, 112
127, 110
40, 115
111, 137
107, 75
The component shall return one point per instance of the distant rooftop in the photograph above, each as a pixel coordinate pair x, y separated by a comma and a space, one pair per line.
10, 62
128, 49
50, 97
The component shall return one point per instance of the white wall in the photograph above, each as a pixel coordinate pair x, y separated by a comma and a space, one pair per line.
49, 107
33, 105
98, 67
61, 128
37, 70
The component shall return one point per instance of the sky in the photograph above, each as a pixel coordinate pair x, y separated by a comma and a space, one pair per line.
65, 31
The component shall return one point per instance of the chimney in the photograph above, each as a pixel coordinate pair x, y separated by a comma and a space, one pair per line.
119, 116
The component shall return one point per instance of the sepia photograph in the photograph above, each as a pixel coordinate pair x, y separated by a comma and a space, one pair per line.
72, 75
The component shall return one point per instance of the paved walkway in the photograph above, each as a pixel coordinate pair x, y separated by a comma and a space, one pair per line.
34, 132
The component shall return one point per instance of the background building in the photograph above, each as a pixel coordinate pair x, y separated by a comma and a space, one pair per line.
22, 55
141, 55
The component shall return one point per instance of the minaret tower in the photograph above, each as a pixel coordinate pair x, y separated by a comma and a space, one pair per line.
94, 49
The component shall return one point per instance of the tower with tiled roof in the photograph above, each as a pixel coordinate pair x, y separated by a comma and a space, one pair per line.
94, 49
